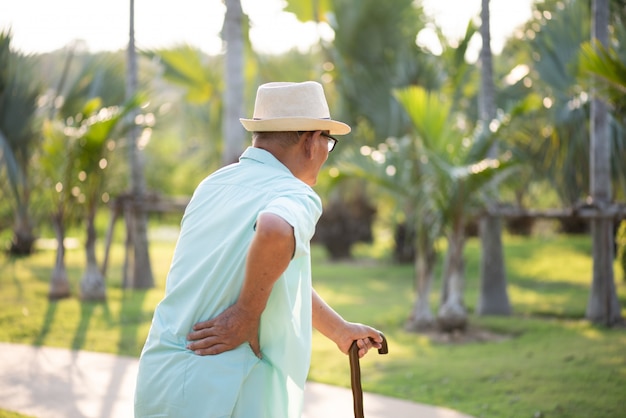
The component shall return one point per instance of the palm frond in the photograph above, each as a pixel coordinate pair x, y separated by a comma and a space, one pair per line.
606, 66
430, 116
183, 66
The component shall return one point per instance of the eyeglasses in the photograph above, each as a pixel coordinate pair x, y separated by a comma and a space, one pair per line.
332, 141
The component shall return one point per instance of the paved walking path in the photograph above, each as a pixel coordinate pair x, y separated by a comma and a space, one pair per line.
49, 382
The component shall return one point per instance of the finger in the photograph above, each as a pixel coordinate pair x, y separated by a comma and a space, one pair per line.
203, 333
363, 352
213, 350
376, 343
376, 336
201, 325
364, 343
202, 343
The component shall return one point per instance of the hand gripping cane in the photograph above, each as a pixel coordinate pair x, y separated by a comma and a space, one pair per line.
355, 375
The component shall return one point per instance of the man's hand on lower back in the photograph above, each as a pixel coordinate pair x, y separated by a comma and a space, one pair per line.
225, 332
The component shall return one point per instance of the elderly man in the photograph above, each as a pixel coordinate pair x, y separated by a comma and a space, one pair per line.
232, 336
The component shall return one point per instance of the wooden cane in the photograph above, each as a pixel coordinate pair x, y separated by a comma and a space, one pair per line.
355, 375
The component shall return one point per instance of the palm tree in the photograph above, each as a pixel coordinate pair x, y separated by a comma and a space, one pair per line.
603, 306
19, 92
396, 169
74, 158
93, 144
232, 35
435, 177
138, 272
432, 112
392, 60
72, 162
559, 146
493, 298
56, 166
608, 71
458, 170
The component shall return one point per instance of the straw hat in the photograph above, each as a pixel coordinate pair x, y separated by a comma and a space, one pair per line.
292, 107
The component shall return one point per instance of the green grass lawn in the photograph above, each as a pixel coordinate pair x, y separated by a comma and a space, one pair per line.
10, 414
552, 363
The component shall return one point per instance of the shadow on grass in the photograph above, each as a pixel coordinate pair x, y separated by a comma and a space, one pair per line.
87, 310
47, 323
131, 319
579, 244
86, 313
552, 287
550, 299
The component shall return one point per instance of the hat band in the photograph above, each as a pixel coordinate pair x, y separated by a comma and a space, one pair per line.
282, 118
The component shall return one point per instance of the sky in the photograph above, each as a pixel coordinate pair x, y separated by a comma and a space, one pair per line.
47, 25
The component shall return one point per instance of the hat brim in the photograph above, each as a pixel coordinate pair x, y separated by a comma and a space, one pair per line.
295, 124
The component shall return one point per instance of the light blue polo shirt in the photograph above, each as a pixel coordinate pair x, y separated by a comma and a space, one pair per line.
205, 278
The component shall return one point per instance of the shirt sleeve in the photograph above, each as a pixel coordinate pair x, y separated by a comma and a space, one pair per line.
301, 212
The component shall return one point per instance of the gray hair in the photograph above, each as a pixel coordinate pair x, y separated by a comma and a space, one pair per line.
285, 139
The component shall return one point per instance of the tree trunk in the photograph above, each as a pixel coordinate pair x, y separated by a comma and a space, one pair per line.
59, 284
493, 298
128, 246
421, 316
141, 270
23, 236
92, 285
452, 314
603, 306
232, 34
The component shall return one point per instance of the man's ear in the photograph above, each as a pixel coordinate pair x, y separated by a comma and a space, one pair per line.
309, 144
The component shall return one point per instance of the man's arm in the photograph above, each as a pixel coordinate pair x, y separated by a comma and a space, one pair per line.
269, 255
343, 333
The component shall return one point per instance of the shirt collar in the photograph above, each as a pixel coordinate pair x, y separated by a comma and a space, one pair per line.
264, 157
